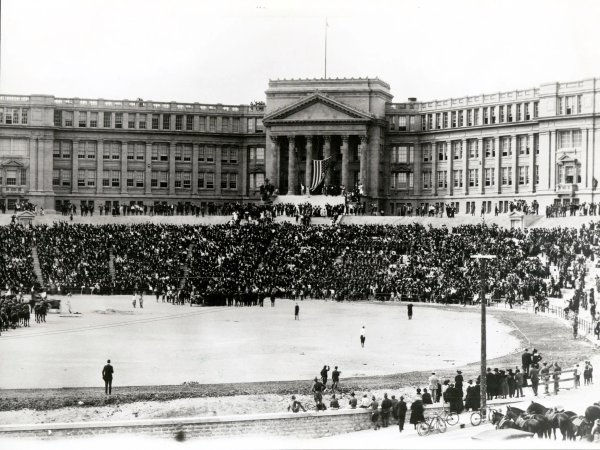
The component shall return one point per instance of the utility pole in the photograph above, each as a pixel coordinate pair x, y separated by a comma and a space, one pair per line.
483, 367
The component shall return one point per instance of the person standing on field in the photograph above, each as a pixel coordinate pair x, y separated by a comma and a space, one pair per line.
409, 308
107, 376
363, 336
335, 378
296, 312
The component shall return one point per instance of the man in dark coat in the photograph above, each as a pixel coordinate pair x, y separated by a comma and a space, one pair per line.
410, 310
386, 407
416, 412
526, 361
490, 381
458, 382
473, 399
107, 376
400, 410
426, 397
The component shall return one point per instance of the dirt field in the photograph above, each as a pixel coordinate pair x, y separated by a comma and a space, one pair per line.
179, 399
164, 344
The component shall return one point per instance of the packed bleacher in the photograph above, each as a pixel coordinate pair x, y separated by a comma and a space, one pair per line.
346, 262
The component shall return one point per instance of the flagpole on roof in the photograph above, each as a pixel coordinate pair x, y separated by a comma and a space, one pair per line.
326, 26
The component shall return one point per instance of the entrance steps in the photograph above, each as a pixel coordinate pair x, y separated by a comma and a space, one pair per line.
37, 268
316, 200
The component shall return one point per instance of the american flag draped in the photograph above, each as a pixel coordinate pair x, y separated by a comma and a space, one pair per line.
320, 169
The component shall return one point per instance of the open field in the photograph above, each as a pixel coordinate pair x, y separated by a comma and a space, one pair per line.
166, 344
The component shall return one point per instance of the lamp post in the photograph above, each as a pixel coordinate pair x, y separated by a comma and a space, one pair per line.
483, 393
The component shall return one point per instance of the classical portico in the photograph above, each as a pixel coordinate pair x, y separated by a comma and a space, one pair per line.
317, 126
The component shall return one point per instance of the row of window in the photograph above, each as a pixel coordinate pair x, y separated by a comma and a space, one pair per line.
568, 104
473, 177
479, 116
444, 151
136, 151
14, 116
136, 179
141, 121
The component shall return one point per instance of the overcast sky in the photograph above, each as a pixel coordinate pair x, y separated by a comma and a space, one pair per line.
226, 51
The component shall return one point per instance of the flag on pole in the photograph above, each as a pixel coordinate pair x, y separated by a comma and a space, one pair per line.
320, 169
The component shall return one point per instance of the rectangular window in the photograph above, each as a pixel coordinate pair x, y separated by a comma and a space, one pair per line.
56, 177
68, 116
535, 109
502, 117
57, 118
166, 125
461, 117
506, 176
65, 149
178, 178
536, 143
56, 153
427, 179
458, 178
82, 119
130, 151
506, 148
260, 155
473, 177
224, 124
519, 112
457, 149
201, 154
401, 180
202, 123
490, 177
139, 179
90, 178
155, 121
163, 179
251, 125
509, 114
536, 174
453, 119
476, 116
426, 149
106, 119
115, 177
523, 145
259, 125
442, 151
65, 178
469, 117
486, 119
209, 153
90, 149
233, 180
490, 151
212, 124
401, 123
187, 152
178, 152
154, 179
131, 120
118, 120
224, 154
210, 180
93, 120
257, 180
235, 125
430, 121
233, 155
493, 114
523, 174
473, 148
130, 178
187, 180
201, 180
178, 122
142, 121
224, 180
189, 123
81, 151
154, 156
442, 179
526, 105
106, 178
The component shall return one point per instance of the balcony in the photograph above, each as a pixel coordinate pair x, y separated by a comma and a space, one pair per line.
566, 189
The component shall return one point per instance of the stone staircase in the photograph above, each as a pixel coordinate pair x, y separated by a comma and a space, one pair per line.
317, 200
37, 268
111, 264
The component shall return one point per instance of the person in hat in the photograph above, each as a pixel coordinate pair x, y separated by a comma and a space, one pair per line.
472, 400
458, 382
400, 411
545, 374
426, 397
333, 403
296, 406
335, 378
375, 412
386, 408
417, 412
317, 390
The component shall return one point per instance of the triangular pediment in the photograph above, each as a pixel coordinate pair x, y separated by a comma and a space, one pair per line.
317, 108
565, 158
12, 163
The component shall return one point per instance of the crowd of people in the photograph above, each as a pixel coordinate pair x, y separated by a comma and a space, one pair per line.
345, 262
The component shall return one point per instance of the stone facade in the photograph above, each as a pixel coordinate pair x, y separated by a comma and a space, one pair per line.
474, 152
